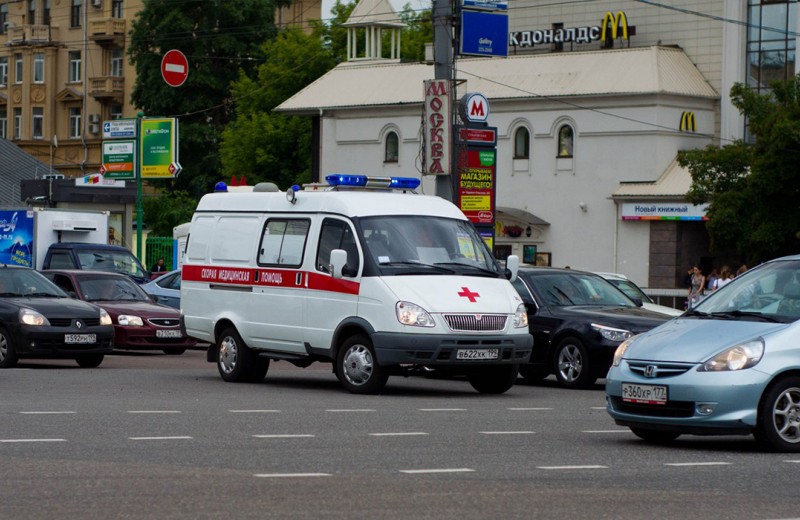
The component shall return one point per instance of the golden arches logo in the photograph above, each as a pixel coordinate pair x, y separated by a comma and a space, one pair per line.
688, 122
618, 22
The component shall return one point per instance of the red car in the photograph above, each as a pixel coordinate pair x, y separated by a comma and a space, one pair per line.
139, 323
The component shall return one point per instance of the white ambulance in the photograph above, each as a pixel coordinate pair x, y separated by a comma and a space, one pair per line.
363, 273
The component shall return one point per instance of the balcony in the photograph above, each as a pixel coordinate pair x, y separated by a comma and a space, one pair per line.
32, 35
107, 87
107, 31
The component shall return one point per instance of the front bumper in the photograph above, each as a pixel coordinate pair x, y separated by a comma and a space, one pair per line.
145, 338
441, 349
48, 341
732, 397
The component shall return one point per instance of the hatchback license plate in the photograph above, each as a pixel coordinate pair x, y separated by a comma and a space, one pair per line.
80, 338
168, 334
474, 353
644, 394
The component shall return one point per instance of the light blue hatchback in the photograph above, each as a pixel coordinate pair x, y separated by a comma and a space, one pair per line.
729, 366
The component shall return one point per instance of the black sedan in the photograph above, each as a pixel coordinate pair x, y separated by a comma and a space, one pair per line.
37, 319
577, 320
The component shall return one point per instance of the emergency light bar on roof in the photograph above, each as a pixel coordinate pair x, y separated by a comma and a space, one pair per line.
363, 181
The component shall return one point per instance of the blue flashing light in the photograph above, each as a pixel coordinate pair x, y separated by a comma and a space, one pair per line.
363, 181
295, 187
220, 187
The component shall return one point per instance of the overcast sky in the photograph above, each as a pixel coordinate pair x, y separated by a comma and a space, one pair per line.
397, 4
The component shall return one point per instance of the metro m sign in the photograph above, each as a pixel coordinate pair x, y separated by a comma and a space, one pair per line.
436, 127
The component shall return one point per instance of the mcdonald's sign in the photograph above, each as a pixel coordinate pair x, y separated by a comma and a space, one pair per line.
619, 26
688, 122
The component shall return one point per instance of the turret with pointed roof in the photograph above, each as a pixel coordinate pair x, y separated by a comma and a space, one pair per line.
367, 24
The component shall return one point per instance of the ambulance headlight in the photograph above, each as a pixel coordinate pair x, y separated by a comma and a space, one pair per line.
521, 317
130, 321
412, 314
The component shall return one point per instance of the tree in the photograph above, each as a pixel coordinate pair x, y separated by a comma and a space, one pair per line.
417, 34
168, 210
219, 38
752, 190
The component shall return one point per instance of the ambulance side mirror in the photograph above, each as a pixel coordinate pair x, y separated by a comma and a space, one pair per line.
512, 267
338, 261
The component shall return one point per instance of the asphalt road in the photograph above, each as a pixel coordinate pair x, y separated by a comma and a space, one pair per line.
157, 436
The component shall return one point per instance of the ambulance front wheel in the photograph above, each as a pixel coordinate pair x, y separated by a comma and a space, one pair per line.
496, 379
236, 362
357, 367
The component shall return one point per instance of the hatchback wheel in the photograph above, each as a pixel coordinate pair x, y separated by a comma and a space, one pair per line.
572, 364
778, 426
8, 356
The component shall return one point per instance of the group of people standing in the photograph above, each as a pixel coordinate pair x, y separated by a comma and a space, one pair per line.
699, 285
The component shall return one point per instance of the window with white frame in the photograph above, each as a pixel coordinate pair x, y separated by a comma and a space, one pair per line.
18, 68
115, 112
38, 67
522, 143
75, 66
566, 141
116, 63
17, 123
38, 123
3, 123
74, 122
392, 148
3, 71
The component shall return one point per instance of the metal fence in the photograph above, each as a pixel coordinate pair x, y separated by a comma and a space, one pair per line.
158, 247
675, 298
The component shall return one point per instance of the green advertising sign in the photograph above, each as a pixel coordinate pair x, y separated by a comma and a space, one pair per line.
118, 160
159, 149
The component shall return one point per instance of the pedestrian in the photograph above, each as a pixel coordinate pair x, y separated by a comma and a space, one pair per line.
159, 267
711, 280
698, 281
741, 270
725, 277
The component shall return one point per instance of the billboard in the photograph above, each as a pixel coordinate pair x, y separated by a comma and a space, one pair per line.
484, 33
158, 155
436, 127
16, 237
476, 185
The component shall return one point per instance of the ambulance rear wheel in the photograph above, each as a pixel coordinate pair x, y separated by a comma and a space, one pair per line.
493, 379
357, 367
236, 362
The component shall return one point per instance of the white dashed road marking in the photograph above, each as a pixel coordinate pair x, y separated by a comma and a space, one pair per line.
573, 467
442, 409
443, 470
33, 440
45, 413
508, 433
291, 475
154, 411
606, 431
254, 411
697, 463
284, 436
335, 410
396, 434
529, 409
172, 438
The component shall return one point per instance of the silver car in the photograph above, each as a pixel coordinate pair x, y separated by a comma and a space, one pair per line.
730, 366
166, 288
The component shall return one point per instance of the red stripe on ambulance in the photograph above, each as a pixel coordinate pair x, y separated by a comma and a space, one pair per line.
245, 276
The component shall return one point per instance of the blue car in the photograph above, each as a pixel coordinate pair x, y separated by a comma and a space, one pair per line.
166, 289
729, 366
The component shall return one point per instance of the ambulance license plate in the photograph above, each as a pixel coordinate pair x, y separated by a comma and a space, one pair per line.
168, 334
644, 394
474, 353
80, 338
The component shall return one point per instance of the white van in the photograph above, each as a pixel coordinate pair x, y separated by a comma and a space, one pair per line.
378, 281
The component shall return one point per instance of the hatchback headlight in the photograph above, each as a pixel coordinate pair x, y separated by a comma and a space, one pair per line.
130, 321
743, 355
521, 317
612, 334
105, 319
32, 317
412, 314
621, 349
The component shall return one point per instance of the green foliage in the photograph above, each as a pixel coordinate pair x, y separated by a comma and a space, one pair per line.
264, 145
167, 210
416, 35
753, 190
219, 38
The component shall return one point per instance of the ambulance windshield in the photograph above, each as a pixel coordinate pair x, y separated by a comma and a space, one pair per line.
434, 244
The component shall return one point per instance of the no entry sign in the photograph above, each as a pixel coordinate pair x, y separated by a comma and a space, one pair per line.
174, 68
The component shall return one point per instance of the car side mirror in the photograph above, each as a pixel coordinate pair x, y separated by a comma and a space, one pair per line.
338, 261
512, 267
638, 301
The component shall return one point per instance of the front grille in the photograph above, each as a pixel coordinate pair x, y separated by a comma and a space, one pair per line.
67, 322
476, 322
650, 369
164, 322
670, 409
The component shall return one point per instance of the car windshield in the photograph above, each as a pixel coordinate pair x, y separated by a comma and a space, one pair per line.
769, 292
122, 262
427, 245
564, 288
26, 282
631, 290
110, 288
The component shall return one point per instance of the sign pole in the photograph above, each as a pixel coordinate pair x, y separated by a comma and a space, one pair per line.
138, 173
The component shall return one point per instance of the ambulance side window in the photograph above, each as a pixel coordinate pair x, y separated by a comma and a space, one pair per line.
336, 234
283, 242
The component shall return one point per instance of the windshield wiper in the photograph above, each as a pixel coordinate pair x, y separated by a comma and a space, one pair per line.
699, 314
416, 264
42, 295
745, 314
482, 270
